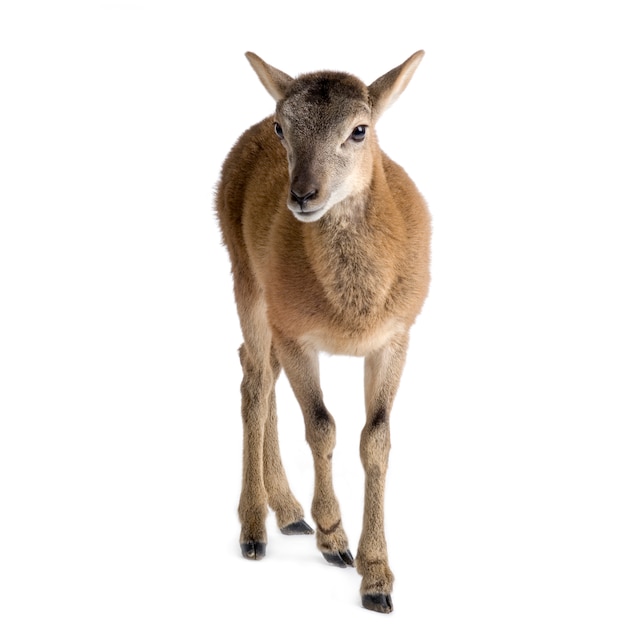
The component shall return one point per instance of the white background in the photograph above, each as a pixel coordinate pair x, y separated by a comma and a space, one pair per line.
119, 391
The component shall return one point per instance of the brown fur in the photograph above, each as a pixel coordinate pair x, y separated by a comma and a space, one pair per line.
329, 244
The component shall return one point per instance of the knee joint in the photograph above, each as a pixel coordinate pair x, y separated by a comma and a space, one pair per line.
375, 444
320, 430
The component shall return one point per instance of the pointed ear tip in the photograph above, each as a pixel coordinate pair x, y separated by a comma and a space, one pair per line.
252, 57
254, 60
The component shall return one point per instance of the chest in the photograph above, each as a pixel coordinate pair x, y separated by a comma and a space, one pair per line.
340, 299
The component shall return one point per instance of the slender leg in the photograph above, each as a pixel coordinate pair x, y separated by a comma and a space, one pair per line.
255, 390
383, 370
289, 512
302, 368
264, 480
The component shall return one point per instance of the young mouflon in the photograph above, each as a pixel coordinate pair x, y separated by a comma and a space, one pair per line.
329, 242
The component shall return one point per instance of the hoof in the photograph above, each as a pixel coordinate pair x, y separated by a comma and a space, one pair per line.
253, 550
297, 528
378, 602
340, 559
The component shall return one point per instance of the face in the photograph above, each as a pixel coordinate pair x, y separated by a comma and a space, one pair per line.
324, 124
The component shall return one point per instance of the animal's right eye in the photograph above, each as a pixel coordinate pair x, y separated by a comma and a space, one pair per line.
278, 130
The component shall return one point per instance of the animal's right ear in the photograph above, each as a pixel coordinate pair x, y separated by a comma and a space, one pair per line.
275, 81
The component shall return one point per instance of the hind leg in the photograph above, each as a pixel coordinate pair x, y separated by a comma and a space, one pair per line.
289, 512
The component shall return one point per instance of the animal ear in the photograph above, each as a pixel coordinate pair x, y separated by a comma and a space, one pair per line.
275, 81
385, 90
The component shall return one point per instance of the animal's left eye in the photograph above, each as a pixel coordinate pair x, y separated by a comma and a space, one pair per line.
358, 134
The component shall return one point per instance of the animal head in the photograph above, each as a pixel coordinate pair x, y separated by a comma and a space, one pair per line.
325, 121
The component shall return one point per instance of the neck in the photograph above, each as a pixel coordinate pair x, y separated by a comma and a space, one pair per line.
346, 253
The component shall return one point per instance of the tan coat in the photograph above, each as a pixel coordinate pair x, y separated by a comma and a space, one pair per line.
329, 242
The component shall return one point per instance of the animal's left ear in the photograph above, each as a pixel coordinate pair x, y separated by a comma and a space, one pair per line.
385, 90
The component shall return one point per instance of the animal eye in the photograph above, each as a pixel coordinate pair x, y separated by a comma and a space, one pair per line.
278, 130
358, 134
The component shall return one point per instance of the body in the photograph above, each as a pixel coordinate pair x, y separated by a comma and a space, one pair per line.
329, 244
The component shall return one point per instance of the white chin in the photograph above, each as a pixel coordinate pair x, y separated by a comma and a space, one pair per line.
309, 216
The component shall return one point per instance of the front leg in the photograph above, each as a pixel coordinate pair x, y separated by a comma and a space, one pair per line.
383, 370
301, 366
255, 390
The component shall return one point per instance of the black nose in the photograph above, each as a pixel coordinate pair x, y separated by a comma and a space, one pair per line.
302, 200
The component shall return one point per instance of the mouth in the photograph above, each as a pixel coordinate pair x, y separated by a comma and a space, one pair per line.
307, 214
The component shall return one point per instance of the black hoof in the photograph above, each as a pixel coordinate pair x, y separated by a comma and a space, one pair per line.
297, 528
378, 602
253, 550
340, 559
